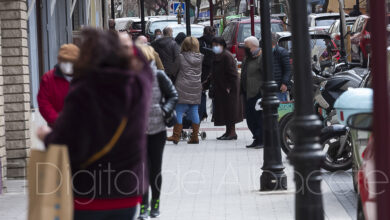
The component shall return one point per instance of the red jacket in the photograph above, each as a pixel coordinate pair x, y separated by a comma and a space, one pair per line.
52, 92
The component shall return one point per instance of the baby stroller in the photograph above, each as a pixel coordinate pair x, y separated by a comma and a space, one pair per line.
186, 133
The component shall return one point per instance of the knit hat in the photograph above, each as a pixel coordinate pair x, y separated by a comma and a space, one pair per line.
69, 52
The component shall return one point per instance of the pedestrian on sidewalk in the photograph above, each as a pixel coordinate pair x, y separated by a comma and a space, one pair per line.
226, 85
180, 38
206, 48
281, 68
164, 99
54, 85
142, 40
251, 82
103, 125
169, 52
189, 87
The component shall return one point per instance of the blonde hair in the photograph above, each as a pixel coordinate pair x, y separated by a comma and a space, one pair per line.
190, 44
148, 52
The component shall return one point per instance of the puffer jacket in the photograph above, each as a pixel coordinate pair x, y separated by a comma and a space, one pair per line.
188, 83
169, 52
164, 99
282, 66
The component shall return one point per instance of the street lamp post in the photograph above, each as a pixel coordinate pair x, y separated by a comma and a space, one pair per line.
273, 176
211, 13
307, 155
252, 14
188, 18
112, 9
143, 26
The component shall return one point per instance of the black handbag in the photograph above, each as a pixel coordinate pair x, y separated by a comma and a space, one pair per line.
170, 119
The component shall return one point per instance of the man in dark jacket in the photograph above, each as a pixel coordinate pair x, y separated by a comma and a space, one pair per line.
169, 52
251, 82
282, 68
206, 48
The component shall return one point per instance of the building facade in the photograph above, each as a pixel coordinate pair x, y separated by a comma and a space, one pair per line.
31, 33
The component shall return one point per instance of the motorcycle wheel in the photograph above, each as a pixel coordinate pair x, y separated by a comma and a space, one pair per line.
331, 144
286, 140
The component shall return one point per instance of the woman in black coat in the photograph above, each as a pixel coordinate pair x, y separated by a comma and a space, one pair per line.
226, 86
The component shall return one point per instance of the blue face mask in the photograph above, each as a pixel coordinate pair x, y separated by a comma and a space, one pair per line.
217, 49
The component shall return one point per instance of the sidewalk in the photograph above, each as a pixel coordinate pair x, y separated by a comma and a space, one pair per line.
219, 180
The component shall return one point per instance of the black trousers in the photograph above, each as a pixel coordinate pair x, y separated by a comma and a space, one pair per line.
254, 119
156, 144
118, 214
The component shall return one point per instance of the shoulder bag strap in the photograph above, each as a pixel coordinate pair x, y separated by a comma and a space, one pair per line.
106, 149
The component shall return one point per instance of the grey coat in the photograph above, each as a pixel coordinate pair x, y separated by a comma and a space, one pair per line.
188, 83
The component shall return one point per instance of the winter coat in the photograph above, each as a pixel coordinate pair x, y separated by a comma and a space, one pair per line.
164, 99
169, 52
252, 76
93, 111
281, 66
188, 83
205, 44
228, 108
51, 96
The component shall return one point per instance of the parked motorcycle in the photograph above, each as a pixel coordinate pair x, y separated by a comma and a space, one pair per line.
335, 138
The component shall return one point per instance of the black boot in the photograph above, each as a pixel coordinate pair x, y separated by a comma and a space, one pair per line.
155, 209
255, 145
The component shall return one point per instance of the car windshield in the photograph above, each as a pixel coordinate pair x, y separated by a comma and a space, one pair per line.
195, 31
136, 26
325, 22
245, 30
160, 25
322, 47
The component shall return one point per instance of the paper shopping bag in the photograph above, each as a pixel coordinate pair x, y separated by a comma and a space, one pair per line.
49, 181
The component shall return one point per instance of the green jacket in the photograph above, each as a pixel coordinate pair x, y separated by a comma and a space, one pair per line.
252, 76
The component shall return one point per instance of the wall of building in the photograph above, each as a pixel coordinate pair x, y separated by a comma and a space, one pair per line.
3, 159
16, 88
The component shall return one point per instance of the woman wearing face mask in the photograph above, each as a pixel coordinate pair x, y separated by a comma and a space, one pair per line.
55, 84
227, 101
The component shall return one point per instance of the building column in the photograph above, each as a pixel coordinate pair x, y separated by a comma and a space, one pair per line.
13, 14
3, 159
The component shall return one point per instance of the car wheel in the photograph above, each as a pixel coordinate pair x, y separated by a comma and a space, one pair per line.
360, 212
362, 60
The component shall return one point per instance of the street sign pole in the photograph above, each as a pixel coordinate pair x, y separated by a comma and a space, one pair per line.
252, 12
143, 26
307, 155
273, 176
112, 9
188, 18
211, 13
381, 126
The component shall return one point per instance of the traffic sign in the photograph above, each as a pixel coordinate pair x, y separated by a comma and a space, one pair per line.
176, 8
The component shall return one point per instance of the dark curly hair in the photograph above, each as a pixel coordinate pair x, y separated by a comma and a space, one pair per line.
100, 49
220, 41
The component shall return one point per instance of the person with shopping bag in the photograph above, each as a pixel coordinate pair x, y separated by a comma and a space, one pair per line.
103, 125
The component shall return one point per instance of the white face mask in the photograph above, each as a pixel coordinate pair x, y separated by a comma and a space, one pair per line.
217, 49
66, 68
158, 36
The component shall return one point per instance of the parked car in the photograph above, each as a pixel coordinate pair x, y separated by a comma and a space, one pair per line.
322, 21
361, 40
354, 109
321, 44
236, 32
158, 22
366, 208
196, 29
334, 30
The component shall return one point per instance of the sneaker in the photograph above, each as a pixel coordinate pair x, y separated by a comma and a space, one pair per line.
143, 215
155, 210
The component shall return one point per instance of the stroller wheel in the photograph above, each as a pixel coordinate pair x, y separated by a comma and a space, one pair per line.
184, 135
203, 135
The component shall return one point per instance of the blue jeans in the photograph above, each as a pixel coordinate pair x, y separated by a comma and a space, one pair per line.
282, 96
191, 110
